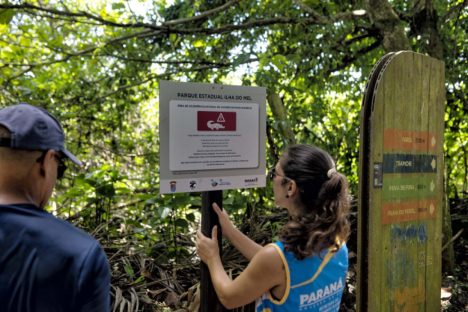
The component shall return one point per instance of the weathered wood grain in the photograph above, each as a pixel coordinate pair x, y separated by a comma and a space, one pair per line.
400, 217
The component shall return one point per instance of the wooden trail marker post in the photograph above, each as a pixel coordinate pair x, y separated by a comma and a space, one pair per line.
401, 185
212, 138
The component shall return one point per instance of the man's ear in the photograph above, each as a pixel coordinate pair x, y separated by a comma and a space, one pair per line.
46, 162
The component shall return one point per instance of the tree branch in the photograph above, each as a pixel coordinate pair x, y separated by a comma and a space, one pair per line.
347, 60
150, 61
455, 11
158, 76
166, 27
103, 21
311, 11
79, 14
203, 15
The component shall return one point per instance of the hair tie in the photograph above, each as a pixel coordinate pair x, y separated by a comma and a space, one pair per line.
331, 172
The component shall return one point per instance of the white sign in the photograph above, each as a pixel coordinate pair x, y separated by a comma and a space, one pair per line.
215, 135
212, 137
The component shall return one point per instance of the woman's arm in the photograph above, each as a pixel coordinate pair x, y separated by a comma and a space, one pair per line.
242, 242
264, 272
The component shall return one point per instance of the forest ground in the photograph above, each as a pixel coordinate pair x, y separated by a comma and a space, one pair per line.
159, 283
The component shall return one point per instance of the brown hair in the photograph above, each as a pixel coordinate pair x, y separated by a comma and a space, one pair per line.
322, 221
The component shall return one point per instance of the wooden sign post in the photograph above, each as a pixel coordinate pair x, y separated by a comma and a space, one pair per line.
209, 302
401, 185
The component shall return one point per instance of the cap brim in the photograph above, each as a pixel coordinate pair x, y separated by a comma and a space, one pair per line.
72, 157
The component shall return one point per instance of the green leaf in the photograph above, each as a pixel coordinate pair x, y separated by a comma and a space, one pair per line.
279, 61
229, 200
190, 217
6, 15
118, 6
139, 280
129, 270
241, 59
164, 212
181, 223
199, 43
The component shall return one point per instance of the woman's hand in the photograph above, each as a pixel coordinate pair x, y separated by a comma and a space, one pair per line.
207, 248
227, 226
244, 244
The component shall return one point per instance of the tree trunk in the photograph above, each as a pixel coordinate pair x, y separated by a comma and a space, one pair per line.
389, 25
424, 23
279, 113
448, 255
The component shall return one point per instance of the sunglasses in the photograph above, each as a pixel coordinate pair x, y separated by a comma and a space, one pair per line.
272, 174
61, 167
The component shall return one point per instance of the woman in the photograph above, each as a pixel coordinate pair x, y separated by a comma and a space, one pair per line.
306, 269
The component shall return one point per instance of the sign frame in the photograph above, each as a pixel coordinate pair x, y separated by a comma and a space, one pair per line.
187, 160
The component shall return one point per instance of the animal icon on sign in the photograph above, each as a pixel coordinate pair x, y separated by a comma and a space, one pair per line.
216, 121
214, 125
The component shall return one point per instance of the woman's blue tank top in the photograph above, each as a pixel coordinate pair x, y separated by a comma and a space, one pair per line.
313, 284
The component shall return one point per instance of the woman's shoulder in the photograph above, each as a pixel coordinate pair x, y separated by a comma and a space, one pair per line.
274, 250
268, 261
270, 257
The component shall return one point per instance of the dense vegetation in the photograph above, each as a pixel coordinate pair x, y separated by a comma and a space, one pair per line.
96, 65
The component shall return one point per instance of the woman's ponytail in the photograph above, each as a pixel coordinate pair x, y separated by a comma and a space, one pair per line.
323, 222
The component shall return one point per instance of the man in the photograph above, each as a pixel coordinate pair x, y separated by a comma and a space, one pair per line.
46, 264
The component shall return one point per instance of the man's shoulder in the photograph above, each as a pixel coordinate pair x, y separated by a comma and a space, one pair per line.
43, 226
65, 234
70, 232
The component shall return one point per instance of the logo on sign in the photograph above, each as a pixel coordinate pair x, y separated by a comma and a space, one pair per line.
220, 182
251, 181
173, 185
192, 184
216, 121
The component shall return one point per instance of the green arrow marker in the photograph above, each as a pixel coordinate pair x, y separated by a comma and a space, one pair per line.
404, 186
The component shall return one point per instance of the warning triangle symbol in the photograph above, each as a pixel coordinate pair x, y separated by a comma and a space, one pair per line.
221, 118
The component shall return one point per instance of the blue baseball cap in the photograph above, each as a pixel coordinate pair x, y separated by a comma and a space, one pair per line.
33, 128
